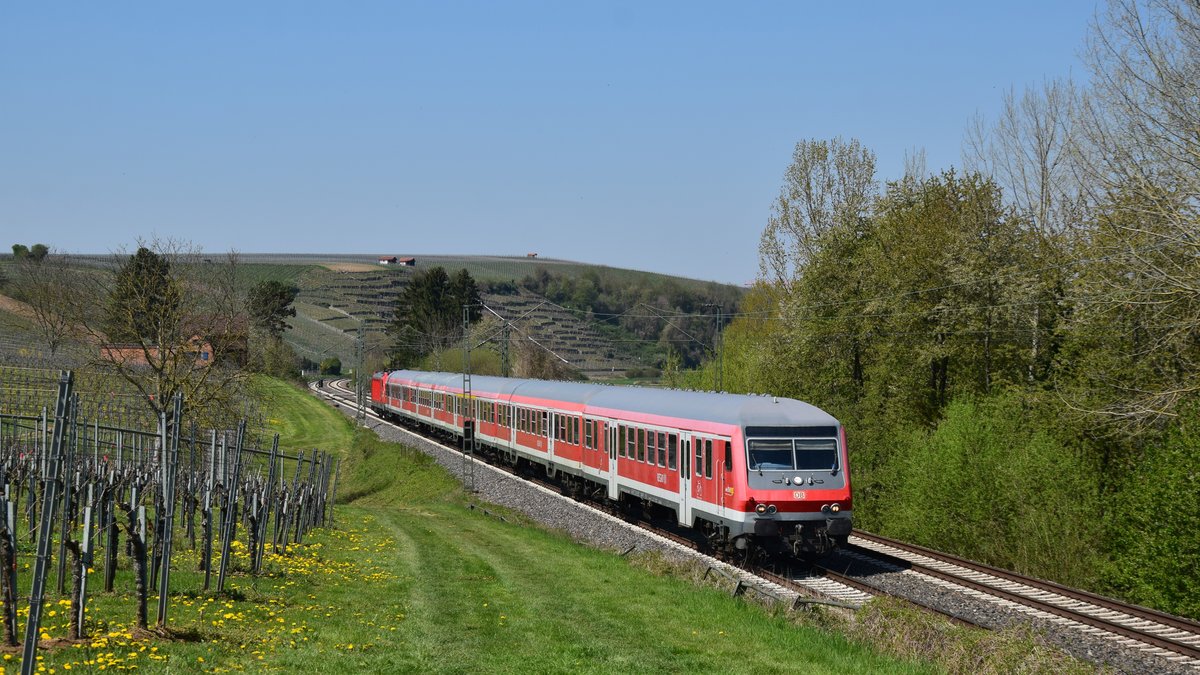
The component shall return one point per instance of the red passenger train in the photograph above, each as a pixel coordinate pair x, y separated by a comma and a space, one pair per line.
748, 471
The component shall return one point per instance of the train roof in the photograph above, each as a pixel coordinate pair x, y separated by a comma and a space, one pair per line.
736, 409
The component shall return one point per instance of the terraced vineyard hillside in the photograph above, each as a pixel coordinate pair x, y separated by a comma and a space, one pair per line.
340, 294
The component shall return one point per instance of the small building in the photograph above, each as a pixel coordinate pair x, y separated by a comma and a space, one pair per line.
387, 260
408, 262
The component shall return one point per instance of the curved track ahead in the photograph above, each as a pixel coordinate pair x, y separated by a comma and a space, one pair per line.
1170, 637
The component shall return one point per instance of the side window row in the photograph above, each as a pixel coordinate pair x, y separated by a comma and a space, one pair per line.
647, 445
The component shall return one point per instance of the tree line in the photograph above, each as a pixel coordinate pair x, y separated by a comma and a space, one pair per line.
1014, 346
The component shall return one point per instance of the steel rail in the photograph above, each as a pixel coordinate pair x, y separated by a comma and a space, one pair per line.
1110, 625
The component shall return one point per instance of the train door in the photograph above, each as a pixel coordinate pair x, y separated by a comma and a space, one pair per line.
706, 486
721, 474
611, 445
685, 480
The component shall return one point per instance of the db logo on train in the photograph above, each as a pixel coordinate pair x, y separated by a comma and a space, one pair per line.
798, 494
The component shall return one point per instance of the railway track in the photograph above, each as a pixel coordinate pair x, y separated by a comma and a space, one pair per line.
1168, 637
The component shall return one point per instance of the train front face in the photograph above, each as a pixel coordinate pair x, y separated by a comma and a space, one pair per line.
798, 483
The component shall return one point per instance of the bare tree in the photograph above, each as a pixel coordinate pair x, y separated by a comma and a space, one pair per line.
829, 183
1141, 124
48, 285
1029, 152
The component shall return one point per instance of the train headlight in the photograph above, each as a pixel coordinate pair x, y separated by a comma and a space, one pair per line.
835, 508
771, 509
798, 480
760, 509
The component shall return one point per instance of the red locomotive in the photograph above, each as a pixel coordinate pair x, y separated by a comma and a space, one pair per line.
748, 471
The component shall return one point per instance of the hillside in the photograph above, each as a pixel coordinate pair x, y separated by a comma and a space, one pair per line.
340, 294
580, 312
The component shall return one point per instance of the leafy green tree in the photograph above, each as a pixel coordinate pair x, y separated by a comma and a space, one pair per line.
145, 300
829, 184
428, 314
36, 252
464, 292
331, 366
270, 303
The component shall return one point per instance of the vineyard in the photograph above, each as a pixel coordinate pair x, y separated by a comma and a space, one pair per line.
83, 497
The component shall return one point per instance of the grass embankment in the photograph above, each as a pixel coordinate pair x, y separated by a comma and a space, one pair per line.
411, 580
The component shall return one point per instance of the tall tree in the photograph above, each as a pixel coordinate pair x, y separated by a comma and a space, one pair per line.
144, 303
1029, 151
464, 292
171, 322
1142, 163
428, 313
828, 184
270, 303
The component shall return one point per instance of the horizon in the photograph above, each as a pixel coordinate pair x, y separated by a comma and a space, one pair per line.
649, 137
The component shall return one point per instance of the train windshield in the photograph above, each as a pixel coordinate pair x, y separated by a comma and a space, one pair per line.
793, 454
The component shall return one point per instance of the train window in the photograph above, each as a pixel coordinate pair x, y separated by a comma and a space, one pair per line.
587, 434
662, 450
708, 458
651, 449
728, 455
816, 454
621, 440
546, 424
632, 447
641, 445
672, 450
699, 456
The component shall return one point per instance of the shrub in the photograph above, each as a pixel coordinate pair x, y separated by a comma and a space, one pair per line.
1153, 525
992, 483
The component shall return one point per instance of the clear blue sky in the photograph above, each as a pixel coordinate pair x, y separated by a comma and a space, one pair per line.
633, 134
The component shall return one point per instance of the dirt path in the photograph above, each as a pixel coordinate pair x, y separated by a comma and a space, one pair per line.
17, 307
